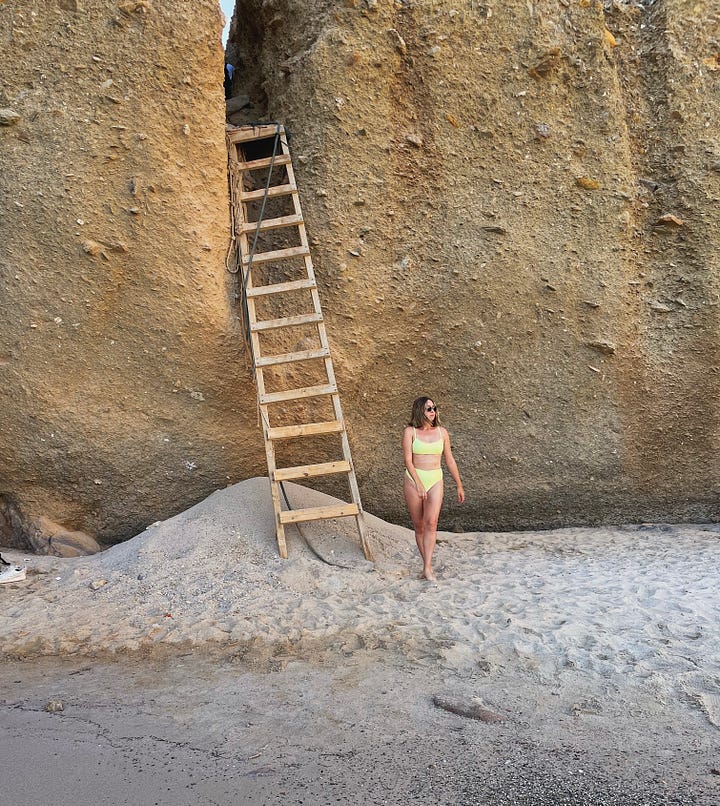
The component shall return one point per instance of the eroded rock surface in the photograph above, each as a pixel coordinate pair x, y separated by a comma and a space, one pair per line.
513, 207
124, 387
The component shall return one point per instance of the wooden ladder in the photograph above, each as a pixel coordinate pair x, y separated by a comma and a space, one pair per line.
259, 155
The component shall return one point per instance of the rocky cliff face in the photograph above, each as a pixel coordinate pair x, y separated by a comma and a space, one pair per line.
124, 389
514, 208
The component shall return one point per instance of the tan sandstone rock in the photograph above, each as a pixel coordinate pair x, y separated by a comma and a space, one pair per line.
465, 263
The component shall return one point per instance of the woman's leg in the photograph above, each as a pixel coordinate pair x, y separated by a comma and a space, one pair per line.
414, 502
431, 513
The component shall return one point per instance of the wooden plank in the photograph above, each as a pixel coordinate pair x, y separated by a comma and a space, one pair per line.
272, 223
308, 471
286, 321
265, 162
305, 430
280, 288
298, 394
278, 254
288, 358
318, 513
244, 134
275, 190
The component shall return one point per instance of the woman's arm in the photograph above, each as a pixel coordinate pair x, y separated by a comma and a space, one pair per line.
409, 466
452, 465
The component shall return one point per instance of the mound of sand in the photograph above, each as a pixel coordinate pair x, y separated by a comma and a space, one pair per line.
616, 606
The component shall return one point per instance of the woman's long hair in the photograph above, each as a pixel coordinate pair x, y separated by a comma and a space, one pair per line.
417, 418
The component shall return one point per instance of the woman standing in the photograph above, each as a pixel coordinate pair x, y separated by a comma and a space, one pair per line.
425, 442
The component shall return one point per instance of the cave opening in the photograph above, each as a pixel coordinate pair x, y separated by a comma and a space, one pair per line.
245, 99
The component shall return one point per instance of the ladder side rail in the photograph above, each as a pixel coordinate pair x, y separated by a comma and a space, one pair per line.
260, 384
309, 267
352, 478
296, 195
243, 238
246, 281
274, 486
236, 220
303, 233
322, 333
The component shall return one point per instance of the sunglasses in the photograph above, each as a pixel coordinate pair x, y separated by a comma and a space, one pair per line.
430, 408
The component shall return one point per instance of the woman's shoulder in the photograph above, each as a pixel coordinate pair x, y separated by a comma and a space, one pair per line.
408, 429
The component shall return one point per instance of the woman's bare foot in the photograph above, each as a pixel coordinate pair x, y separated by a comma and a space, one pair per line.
429, 575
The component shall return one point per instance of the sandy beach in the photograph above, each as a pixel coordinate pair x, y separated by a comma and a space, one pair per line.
191, 664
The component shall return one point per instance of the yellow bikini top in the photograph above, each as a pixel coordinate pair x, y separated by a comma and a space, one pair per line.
418, 446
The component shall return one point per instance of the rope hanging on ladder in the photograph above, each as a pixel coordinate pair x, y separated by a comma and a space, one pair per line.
246, 276
233, 245
276, 142
290, 420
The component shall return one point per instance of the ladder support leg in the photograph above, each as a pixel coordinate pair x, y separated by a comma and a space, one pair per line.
367, 551
279, 526
282, 545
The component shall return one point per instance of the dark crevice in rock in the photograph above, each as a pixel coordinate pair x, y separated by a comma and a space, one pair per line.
266, 43
247, 101
15, 530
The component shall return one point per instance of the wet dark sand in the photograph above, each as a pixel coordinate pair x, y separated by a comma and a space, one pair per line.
193, 728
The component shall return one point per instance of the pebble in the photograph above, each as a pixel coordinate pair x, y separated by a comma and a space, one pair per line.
605, 347
587, 183
668, 220
92, 248
8, 117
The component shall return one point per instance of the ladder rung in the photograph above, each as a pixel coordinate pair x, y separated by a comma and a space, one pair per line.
265, 162
287, 321
287, 358
307, 471
246, 134
318, 513
272, 223
297, 394
276, 190
305, 430
278, 254
280, 288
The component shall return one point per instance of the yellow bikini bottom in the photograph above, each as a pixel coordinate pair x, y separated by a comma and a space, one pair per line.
428, 478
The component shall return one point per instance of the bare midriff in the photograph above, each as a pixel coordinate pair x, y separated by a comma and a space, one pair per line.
426, 462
